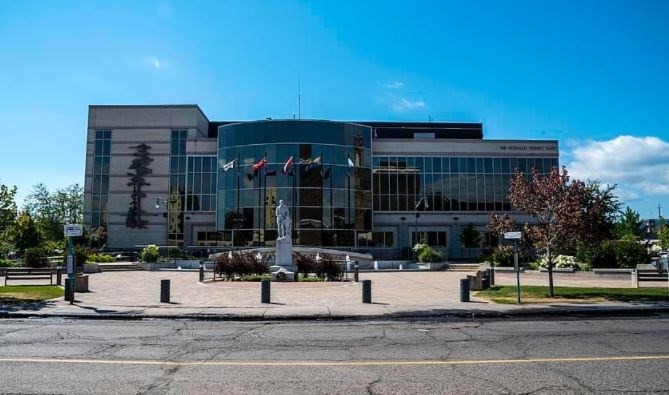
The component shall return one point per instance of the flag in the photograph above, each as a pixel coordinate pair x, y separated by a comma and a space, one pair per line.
256, 168
350, 165
315, 164
326, 175
424, 201
288, 167
229, 165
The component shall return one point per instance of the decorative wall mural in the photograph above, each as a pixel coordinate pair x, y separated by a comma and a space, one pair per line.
141, 167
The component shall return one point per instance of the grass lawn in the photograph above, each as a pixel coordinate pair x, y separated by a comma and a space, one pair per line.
13, 294
537, 294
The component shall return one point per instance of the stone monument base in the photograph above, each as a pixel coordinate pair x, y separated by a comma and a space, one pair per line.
283, 275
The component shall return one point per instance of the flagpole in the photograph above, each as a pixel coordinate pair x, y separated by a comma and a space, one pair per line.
294, 197
237, 217
331, 202
322, 182
264, 196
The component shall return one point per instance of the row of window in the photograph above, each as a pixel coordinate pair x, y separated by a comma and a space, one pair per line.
446, 164
176, 200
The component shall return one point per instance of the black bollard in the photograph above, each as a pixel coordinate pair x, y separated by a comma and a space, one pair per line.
69, 289
201, 272
356, 277
491, 276
164, 291
59, 276
366, 291
464, 290
264, 291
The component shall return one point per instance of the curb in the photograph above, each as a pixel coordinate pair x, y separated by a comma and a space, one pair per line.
635, 311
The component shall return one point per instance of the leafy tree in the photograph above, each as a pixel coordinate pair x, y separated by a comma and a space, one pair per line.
600, 211
7, 216
556, 204
26, 233
663, 234
470, 236
628, 226
52, 210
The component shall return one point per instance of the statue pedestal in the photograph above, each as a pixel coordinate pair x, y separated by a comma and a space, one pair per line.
284, 254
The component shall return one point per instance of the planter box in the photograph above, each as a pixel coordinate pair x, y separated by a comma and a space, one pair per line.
91, 268
81, 283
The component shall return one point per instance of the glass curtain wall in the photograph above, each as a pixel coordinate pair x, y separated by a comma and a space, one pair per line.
176, 200
326, 184
99, 212
417, 183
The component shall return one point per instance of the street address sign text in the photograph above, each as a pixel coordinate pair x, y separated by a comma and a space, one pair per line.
74, 230
512, 235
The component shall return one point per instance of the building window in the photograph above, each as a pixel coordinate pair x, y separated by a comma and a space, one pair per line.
201, 183
417, 183
100, 195
176, 200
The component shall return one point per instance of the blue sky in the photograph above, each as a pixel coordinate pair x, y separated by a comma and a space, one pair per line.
592, 74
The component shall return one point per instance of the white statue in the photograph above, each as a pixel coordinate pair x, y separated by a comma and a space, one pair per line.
282, 220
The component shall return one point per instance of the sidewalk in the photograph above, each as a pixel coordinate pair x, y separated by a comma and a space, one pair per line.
394, 294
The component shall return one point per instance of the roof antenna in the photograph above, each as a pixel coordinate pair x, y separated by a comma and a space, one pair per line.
299, 100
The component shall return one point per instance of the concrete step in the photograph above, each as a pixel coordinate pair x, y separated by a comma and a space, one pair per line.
462, 267
122, 267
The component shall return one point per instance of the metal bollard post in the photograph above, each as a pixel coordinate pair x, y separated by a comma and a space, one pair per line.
356, 269
265, 291
69, 289
59, 276
491, 276
464, 290
201, 272
366, 291
164, 291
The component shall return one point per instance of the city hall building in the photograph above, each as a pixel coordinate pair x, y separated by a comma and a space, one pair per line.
167, 175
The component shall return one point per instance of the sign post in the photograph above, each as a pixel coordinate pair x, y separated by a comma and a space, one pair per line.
71, 231
515, 236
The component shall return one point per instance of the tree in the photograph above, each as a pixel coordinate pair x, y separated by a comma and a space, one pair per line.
628, 226
556, 204
7, 216
600, 210
141, 167
26, 233
663, 234
52, 210
470, 236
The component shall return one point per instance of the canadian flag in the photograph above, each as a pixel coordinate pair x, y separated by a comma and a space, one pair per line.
288, 166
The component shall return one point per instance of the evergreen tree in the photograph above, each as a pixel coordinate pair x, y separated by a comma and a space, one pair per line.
141, 168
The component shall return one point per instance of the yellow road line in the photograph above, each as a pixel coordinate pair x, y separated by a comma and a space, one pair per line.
340, 363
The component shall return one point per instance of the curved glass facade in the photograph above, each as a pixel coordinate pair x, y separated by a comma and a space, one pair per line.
328, 188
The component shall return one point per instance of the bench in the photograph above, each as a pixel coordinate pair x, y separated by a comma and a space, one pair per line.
28, 273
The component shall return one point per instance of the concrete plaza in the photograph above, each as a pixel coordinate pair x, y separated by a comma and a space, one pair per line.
400, 293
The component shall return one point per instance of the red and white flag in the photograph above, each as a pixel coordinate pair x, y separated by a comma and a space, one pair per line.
288, 166
259, 165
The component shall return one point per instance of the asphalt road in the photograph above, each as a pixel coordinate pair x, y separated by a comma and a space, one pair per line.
615, 355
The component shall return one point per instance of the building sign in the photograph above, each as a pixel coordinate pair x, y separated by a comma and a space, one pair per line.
73, 230
528, 148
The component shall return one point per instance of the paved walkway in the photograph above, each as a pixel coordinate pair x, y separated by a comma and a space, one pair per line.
393, 294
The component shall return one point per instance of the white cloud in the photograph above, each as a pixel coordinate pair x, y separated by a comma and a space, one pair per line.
403, 105
639, 165
394, 85
157, 63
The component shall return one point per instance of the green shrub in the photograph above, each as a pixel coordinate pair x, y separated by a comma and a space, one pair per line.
81, 254
149, 254
425, 253
255, 277
614, 254
502, 256
36, 257
7, 263
100, 258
